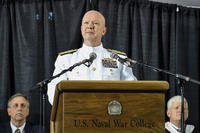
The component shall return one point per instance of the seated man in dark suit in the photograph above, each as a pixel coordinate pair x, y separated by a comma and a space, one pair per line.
174, 114
18, 110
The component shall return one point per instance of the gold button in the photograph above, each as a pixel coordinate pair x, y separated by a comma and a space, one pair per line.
94, 69
111, 72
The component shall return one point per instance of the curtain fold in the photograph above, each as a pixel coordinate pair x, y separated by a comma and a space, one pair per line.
145, 30
188, 55
6, 59
32, 34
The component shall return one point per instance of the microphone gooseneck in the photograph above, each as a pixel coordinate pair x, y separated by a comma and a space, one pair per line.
129, 62
124, 61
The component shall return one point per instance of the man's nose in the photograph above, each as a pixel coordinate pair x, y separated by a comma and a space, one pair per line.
179, 109
91, 25
19, 108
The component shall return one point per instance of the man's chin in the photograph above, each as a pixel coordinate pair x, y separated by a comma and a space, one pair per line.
90, 38
178, 119
19, 118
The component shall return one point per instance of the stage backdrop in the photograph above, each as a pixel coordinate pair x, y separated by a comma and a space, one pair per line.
33, 32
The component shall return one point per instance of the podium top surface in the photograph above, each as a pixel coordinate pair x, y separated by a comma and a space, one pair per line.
111, 85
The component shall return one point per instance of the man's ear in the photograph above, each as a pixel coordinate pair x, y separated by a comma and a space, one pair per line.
168, 113
104, 31
9, 111
81, 28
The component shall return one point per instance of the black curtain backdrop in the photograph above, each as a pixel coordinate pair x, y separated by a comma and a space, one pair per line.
33, 32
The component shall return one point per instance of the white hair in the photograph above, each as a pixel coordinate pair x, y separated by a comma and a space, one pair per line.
18, 95
176, 99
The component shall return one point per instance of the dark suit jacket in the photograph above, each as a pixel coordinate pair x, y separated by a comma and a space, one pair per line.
29, 128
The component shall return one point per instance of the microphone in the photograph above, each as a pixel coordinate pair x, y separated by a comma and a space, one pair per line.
92, 57
124, 61
129, 63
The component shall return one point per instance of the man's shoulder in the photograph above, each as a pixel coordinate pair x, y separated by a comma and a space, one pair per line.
116, 51
31, 128
71, 51
5, 127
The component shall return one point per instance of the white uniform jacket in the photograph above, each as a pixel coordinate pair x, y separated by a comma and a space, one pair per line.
102, 68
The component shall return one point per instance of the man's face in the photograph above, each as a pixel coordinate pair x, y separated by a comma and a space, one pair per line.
93, 28
18, 109
174, 113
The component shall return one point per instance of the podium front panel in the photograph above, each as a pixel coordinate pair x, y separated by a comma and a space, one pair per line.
89, 113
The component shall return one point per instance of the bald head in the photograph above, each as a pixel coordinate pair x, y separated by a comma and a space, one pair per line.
93, 28
95, 13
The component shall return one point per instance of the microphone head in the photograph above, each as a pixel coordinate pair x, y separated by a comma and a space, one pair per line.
114, 56
93, 55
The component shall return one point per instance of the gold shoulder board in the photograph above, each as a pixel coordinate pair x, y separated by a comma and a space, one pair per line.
67, 52
116, 51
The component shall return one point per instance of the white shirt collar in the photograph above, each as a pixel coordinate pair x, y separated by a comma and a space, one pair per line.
13, 127
174, 129
87, 49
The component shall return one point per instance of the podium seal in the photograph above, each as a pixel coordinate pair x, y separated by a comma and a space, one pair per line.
114, 108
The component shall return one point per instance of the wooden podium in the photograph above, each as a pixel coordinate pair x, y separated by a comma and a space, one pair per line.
109, 107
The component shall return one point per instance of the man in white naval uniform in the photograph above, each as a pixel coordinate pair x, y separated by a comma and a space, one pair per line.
174, 114
103, 67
